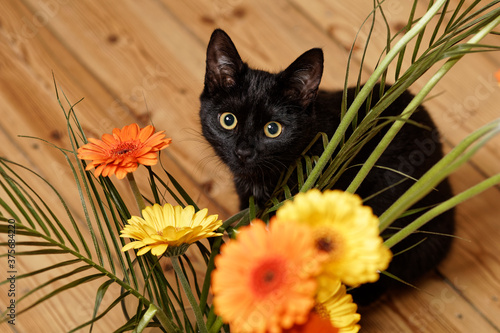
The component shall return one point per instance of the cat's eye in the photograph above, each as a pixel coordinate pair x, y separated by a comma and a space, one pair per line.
273, 129
228, 120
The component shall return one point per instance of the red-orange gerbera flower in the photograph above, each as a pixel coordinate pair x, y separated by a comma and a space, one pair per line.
121, 152
497, 76
265, 280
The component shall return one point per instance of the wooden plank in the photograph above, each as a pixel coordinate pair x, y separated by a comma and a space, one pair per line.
436, 307
473, 266
268, 35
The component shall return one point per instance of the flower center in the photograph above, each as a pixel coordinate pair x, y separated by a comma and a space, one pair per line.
325, 244
328, 242
268, 276
123, 148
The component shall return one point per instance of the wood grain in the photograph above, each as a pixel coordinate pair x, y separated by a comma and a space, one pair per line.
143, 61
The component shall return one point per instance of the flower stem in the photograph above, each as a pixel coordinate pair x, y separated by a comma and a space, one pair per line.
135, 190
187, 290
217, 325
210, 267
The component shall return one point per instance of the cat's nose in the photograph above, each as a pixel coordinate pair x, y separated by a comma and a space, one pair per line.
245, 155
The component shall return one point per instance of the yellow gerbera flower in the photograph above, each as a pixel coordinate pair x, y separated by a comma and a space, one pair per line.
337, 305
265, 280
168, 226
345, 231
334, 312
315, 323
122, 152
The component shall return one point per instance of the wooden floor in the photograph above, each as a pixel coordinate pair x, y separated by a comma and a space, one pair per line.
143, 61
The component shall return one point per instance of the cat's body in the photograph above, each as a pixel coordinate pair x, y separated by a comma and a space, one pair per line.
259, 123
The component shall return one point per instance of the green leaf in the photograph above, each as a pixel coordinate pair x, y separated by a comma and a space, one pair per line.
70, 285
410, 247
45, 269
57, 222
392, 276
18, 205
37, 252
101, 291
83, 173
439, 209
146, 318
20, 243
95, 318
105, 217
236, 217
23, 197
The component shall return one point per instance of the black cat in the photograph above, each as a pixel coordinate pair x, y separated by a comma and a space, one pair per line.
259, 123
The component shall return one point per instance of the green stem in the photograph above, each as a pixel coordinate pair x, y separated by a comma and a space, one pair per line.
211, 318
364, 92
210, 267
165, 322
215, 328
448, 204
187, 290
135, 190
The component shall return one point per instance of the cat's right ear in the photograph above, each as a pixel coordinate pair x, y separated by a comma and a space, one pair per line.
223, 62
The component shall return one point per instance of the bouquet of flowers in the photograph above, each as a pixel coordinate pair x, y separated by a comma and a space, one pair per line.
284, 270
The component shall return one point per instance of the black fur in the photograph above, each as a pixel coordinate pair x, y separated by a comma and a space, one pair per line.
291, 98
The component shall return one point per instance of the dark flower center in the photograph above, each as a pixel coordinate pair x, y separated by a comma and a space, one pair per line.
325, 244
268, 276
123, 148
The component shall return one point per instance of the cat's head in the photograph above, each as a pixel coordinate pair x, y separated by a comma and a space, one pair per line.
257, 121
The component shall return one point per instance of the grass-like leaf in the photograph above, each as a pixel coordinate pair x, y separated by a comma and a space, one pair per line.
45, 269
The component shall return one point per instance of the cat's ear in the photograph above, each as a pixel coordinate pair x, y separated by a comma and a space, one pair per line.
223, 62
301, 79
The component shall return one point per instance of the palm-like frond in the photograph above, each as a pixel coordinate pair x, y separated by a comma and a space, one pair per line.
105, 214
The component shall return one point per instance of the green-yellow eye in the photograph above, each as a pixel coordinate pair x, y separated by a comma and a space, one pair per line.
273, 129
228, 120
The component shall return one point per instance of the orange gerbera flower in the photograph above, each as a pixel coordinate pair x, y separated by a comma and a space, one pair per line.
121, 152
497, 76
265, 280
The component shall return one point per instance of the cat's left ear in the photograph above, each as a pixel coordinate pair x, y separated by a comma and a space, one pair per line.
301, 79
